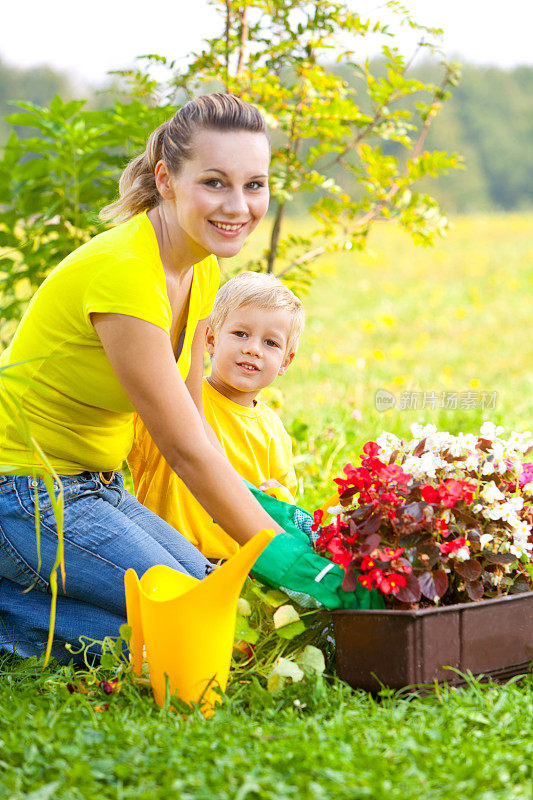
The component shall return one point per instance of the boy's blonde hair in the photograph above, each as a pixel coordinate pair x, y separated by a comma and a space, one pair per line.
263, 291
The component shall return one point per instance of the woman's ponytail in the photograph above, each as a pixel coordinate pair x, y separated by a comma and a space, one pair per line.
137, 188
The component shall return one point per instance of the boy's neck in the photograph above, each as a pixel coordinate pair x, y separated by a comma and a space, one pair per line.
245, 399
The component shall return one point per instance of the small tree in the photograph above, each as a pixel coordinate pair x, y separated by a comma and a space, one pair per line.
331, 139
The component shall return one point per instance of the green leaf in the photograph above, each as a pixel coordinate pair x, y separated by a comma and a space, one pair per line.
244, 632
291, 630
311, 660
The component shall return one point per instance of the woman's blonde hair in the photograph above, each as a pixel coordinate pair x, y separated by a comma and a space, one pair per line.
173, 143
261, 290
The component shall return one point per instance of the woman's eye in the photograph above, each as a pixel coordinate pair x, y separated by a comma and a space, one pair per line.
213, 182
255, 185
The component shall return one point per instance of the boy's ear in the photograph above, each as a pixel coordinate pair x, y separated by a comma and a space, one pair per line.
210, 340
285, 366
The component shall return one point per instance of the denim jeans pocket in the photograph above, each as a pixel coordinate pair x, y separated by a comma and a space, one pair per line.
33, 493
6, 483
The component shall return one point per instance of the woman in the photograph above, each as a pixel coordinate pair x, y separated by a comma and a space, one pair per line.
104, 333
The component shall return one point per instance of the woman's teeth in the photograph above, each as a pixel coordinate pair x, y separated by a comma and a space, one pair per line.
226, 227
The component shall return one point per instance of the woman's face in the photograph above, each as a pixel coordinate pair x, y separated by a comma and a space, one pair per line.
220, 194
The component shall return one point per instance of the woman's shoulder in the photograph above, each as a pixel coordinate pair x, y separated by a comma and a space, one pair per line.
131, 241
207, 271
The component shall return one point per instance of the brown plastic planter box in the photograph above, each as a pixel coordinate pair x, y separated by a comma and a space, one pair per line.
402, 648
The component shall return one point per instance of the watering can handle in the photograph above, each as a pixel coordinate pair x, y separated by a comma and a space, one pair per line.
280, 493
133, 605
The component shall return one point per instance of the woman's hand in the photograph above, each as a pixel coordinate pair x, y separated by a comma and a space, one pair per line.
141, 356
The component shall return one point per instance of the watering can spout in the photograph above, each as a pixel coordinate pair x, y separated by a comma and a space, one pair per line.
187, 626
225, 582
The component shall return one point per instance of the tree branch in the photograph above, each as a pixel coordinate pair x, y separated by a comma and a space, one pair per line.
274, 237
243, 39
228, 38
369, 216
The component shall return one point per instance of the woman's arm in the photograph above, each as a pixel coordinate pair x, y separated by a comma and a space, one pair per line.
141, 356
195, 377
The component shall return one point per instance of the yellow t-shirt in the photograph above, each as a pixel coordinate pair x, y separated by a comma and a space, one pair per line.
256, 444
76, 408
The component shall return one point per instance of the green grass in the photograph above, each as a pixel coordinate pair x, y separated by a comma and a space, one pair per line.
456, 317
316, 741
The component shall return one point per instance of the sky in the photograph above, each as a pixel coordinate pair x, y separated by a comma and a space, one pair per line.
88, 39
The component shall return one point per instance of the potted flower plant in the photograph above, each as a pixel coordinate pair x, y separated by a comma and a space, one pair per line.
442, 526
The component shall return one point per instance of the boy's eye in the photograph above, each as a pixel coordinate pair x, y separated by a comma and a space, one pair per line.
241, 334
271, 343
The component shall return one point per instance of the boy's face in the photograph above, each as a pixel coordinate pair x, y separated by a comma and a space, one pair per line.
248, 352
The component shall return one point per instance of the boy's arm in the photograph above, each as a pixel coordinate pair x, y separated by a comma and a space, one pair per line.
196, 376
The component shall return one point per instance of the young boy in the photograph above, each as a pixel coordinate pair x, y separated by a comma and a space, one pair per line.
252, 337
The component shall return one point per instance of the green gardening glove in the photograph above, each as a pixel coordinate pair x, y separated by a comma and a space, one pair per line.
289, 563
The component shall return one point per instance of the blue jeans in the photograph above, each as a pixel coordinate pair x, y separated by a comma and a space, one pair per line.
106, 531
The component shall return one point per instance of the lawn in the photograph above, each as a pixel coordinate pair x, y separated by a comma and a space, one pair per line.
451, 322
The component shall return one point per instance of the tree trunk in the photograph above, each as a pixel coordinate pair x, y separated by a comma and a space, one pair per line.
274, 238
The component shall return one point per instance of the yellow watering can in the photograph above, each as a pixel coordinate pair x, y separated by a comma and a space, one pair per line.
188, 625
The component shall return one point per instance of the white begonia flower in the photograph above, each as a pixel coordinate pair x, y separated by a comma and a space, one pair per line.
461, 443
414, 467
491, 493
468, 441
422, 431
511, 518
520, 441
387, 439
498, 450
463, 554
489, 430
528, 488
521, 529
484, 539
487, 468
455, 449
520, 548
494, 513
517, 503
334, 510
472, 462
429, 464
477, 508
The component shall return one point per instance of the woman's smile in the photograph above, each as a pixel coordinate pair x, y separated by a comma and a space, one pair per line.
228, 229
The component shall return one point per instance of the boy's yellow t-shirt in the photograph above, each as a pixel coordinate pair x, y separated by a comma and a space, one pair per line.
76, 408
256, 444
